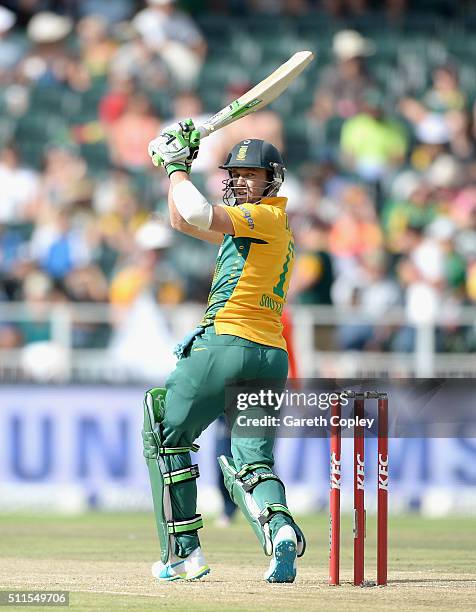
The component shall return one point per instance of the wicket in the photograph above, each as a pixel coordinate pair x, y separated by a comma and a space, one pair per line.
359, 490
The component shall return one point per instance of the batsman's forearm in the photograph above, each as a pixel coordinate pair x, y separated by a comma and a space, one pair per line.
179, 223
178, 177
192, 206
176, 219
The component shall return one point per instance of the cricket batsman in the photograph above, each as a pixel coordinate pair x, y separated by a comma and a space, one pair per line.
239, 339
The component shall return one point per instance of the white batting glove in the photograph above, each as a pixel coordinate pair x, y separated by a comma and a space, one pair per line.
176, 147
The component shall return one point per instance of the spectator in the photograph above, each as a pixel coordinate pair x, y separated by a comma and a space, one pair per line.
148, 269
119, 217
343, 84
433, 116
19, 188
395, 11
443, 231
463, 209
175, 38
422, 274
37, 291
412, 203
10, 337
111, 12
87, 284
135, 60
313, 274
96, 48
49, 63
26, 9
446, 174
372, 144
346, 8
466, 246
373, 294
445, 93
356, 230
11, 50
58, 246
129, 136
116, 100
42, 358
461, 141
142, 344
279, 7
64, 171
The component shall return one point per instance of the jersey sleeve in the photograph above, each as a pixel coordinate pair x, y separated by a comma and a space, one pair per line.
254, 221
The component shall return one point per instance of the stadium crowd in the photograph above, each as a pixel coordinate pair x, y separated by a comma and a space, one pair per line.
381, 187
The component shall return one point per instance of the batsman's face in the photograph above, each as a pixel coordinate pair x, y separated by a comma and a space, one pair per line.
249, 184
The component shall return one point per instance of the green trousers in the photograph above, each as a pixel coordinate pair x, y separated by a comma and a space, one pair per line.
196, 397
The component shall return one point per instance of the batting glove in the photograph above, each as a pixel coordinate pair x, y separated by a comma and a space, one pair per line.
176, 147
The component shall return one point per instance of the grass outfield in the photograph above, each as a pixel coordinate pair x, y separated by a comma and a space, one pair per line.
104, 560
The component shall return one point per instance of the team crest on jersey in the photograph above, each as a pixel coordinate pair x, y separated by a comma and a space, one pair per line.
242, 153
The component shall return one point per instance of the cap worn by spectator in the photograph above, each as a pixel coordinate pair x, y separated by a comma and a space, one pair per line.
153, 235
349, 44
7, 19
175, 38
441, 228
405, 184
433, 129
445, 171
49, 27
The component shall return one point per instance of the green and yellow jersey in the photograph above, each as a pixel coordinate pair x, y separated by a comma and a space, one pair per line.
252, 274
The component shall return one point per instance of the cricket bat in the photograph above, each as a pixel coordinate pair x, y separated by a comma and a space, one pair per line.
260, 95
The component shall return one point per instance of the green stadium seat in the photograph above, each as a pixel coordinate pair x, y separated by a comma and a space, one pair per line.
161, 102
32, 152
97, 156
212, 100
297, 128
332, 130
44, 98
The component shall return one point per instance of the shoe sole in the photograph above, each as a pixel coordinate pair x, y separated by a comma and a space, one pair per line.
171, 578
167, 577
285, 555
200, 573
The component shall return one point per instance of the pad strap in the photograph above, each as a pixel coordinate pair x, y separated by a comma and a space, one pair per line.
177, 450
152, 450
270, 510
251, 483
251, 467
187, 525
181, 475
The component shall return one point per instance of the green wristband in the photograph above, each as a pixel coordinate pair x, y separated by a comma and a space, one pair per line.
177, 167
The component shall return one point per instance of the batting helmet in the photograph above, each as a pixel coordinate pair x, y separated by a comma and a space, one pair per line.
254, 153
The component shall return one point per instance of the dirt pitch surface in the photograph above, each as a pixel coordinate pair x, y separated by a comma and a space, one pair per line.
104, 561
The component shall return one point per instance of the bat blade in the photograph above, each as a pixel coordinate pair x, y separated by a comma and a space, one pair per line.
260, 95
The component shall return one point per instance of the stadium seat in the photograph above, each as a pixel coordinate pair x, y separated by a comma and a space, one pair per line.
97, 156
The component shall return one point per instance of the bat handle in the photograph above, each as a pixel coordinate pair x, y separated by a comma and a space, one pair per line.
205, 130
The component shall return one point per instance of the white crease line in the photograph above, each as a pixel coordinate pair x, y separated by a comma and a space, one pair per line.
118, 593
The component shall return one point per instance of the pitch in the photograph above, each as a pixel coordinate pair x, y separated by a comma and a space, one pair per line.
104, 560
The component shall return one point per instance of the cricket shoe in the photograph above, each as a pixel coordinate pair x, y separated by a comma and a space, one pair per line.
282, 567
192, 567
